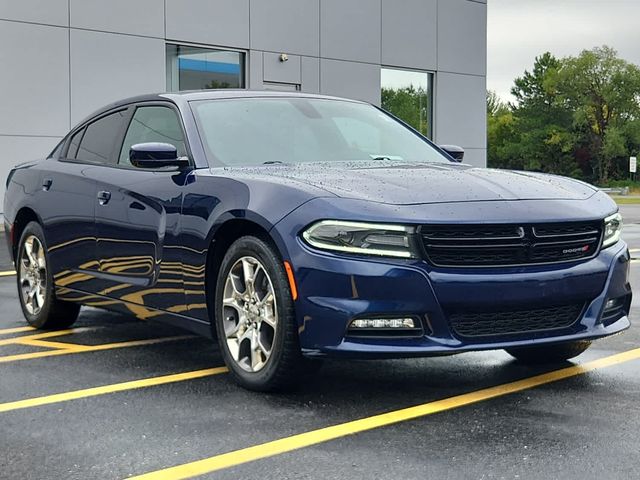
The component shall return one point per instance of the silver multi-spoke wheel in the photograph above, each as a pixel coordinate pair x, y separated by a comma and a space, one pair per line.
32, 271
250, 314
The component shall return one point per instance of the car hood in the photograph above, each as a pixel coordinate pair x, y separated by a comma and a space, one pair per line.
406, 184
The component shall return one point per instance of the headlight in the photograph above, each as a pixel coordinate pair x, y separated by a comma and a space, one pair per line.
364, 238
612, 229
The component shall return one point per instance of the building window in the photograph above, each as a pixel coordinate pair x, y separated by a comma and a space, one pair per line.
195, 68
409, 96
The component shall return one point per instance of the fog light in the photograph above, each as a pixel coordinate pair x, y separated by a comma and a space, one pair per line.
613, 303
383, 323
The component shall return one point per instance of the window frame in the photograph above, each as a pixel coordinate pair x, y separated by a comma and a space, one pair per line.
151, 103
83, 126
130, 109
243, 65
431, 82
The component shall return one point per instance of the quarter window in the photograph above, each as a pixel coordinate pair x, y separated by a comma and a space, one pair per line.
98, 142
74, 143
153, 124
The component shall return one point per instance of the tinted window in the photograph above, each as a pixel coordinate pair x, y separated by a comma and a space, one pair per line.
153, 124
74, 143
99, 139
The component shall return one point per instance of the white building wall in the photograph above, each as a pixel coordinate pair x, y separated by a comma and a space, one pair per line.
62, 59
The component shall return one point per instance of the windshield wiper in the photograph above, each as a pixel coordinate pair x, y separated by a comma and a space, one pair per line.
273, 162
395, 158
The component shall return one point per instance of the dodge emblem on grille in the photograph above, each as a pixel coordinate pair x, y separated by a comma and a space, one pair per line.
576, 250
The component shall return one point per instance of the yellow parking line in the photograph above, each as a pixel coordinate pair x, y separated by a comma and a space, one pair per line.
313, 437
115, 387
7, 273
7, 331
50, 344
75, 348
38, 336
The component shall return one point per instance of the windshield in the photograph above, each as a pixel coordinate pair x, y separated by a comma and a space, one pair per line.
292, 130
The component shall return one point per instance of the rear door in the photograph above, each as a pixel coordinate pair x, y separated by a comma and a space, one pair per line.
138, 217
67, 204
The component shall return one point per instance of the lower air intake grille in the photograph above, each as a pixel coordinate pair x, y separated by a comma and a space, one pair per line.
484, 324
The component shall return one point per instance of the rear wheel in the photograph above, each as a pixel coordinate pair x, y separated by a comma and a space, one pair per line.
255, 320
39, 304
549, 353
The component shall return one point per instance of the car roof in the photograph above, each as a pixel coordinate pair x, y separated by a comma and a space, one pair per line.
213, 94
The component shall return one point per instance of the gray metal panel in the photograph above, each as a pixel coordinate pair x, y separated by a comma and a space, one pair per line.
350, 30
34, 86
22, 149
349, 79
139, 17
475, 156
462, 37
290, 26
223, 23
106, 67
276, 70
409, 33
310, 75
51, 12
255, 69
460, 113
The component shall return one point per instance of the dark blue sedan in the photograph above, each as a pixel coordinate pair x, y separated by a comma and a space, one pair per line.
292, 227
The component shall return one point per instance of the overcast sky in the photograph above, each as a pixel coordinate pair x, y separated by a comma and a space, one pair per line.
519, 30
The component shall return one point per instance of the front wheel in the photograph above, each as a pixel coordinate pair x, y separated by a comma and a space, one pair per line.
39, 304
255, 320
549, 353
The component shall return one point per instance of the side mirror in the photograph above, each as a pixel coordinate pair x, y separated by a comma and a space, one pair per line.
455, 152
156, 155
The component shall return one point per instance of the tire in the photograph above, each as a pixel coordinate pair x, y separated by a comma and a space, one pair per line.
245, 318
42, 309
549, 353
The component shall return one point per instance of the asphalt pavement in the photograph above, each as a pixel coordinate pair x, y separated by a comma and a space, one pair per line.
116, 397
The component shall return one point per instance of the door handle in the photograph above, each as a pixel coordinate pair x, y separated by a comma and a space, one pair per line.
46, 184
104, 197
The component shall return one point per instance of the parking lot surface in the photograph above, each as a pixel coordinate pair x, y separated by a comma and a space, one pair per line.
115, 397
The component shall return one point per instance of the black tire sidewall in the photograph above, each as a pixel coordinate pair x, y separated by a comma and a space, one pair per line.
254, 247
39, 320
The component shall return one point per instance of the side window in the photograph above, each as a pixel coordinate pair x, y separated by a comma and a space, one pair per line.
153, 124
74, 143
97, 145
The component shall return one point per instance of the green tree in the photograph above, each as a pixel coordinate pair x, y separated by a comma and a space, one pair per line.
411, 104
603, 93
535, 133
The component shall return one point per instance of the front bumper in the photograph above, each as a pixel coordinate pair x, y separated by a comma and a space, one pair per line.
334, 289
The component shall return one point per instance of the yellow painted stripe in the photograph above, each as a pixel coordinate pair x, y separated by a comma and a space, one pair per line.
7, 331
7, 273
75, 348
39, 336
634, 249
50, 344
321, 435
113, 388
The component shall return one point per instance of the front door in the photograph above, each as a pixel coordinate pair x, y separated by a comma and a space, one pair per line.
138, 218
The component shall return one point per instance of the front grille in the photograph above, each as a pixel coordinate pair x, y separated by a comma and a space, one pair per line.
505, 245
499, 323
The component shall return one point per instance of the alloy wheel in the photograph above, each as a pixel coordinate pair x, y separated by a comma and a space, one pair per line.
33, 275
250, 315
